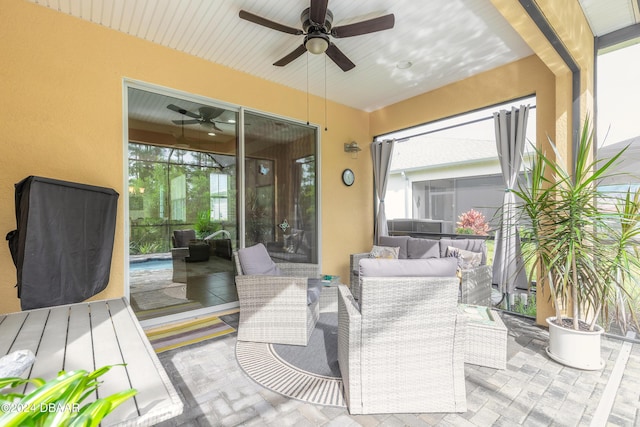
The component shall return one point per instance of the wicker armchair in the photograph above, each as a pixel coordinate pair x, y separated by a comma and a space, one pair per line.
274, 309
402, 351
475, 283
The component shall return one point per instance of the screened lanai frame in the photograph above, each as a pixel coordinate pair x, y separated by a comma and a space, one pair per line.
449, 125
240, 153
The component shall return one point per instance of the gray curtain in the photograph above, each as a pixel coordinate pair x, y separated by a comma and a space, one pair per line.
508, 266
381, 153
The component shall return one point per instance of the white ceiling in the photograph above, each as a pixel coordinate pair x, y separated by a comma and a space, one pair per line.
606, 16
444, 40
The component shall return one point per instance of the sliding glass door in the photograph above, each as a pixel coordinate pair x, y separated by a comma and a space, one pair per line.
186, 198
280, 188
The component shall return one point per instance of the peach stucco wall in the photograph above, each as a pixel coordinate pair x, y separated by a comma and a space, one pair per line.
62, 117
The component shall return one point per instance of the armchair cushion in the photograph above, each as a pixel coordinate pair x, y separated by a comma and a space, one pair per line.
436, 267
256, 260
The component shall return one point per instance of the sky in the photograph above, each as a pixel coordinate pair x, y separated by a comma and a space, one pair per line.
618, 95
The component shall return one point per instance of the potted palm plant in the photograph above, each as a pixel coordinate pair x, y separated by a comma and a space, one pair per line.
578, 248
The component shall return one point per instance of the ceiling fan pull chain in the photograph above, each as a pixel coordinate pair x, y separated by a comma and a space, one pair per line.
308, 108
325, 93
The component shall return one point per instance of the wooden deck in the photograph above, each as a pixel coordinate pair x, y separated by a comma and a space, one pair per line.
89, 336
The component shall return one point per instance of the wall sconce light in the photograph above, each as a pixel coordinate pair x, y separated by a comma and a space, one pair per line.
352, 147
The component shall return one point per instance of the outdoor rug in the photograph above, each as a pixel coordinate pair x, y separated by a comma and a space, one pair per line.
310, 373
179, 334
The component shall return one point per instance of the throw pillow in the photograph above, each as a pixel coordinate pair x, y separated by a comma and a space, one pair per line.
256, 260
466, 259
473, 245
384, 252
393, 241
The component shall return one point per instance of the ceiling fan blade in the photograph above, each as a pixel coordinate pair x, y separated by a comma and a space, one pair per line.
185, 122
247, 16
365, 27
210, 113
210, 125
318, 11
339, 58
290, 57
182, 111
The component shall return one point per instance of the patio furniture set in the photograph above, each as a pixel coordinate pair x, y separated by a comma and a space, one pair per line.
405, 326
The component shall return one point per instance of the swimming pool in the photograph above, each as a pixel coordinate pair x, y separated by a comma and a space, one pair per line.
151, 264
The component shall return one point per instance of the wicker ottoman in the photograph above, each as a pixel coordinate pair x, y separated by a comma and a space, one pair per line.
486, 343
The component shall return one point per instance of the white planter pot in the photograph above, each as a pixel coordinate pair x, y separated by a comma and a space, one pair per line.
578, 349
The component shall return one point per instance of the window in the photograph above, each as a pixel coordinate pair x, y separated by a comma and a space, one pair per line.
190, 177
442, 169
179, 198
219, 191
618, 90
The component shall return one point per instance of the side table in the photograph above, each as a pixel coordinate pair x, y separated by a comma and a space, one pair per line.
486, 342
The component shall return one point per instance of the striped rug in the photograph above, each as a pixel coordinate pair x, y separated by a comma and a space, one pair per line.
175, 335
264, 366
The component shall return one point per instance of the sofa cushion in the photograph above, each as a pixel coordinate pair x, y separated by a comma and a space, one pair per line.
422, 248
473, 245
256, 260
314, 287
466, 259
395, 241
384, 252
434, 267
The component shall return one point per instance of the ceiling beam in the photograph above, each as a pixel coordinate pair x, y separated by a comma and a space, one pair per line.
626, 35
548, 31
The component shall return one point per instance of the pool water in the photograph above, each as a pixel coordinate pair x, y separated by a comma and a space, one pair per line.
152, 264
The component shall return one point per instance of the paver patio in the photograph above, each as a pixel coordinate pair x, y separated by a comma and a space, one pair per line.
532, 391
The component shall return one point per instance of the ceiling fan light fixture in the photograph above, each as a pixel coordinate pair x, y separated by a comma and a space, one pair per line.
317, 44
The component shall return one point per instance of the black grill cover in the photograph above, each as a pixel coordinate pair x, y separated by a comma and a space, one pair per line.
63, 243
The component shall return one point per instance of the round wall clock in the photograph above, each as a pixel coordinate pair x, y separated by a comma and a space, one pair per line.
348, 177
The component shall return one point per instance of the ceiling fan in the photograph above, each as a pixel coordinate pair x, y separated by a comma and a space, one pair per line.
206, 118
316, 28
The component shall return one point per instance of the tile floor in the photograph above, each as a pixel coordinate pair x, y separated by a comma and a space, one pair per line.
532, 391
157, 292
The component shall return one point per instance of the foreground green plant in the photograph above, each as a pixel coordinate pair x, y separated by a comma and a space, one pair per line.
57, 402
580, 249
529, 309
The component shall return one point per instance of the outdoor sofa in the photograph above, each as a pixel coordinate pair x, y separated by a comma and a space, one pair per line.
475, 282
402, 351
